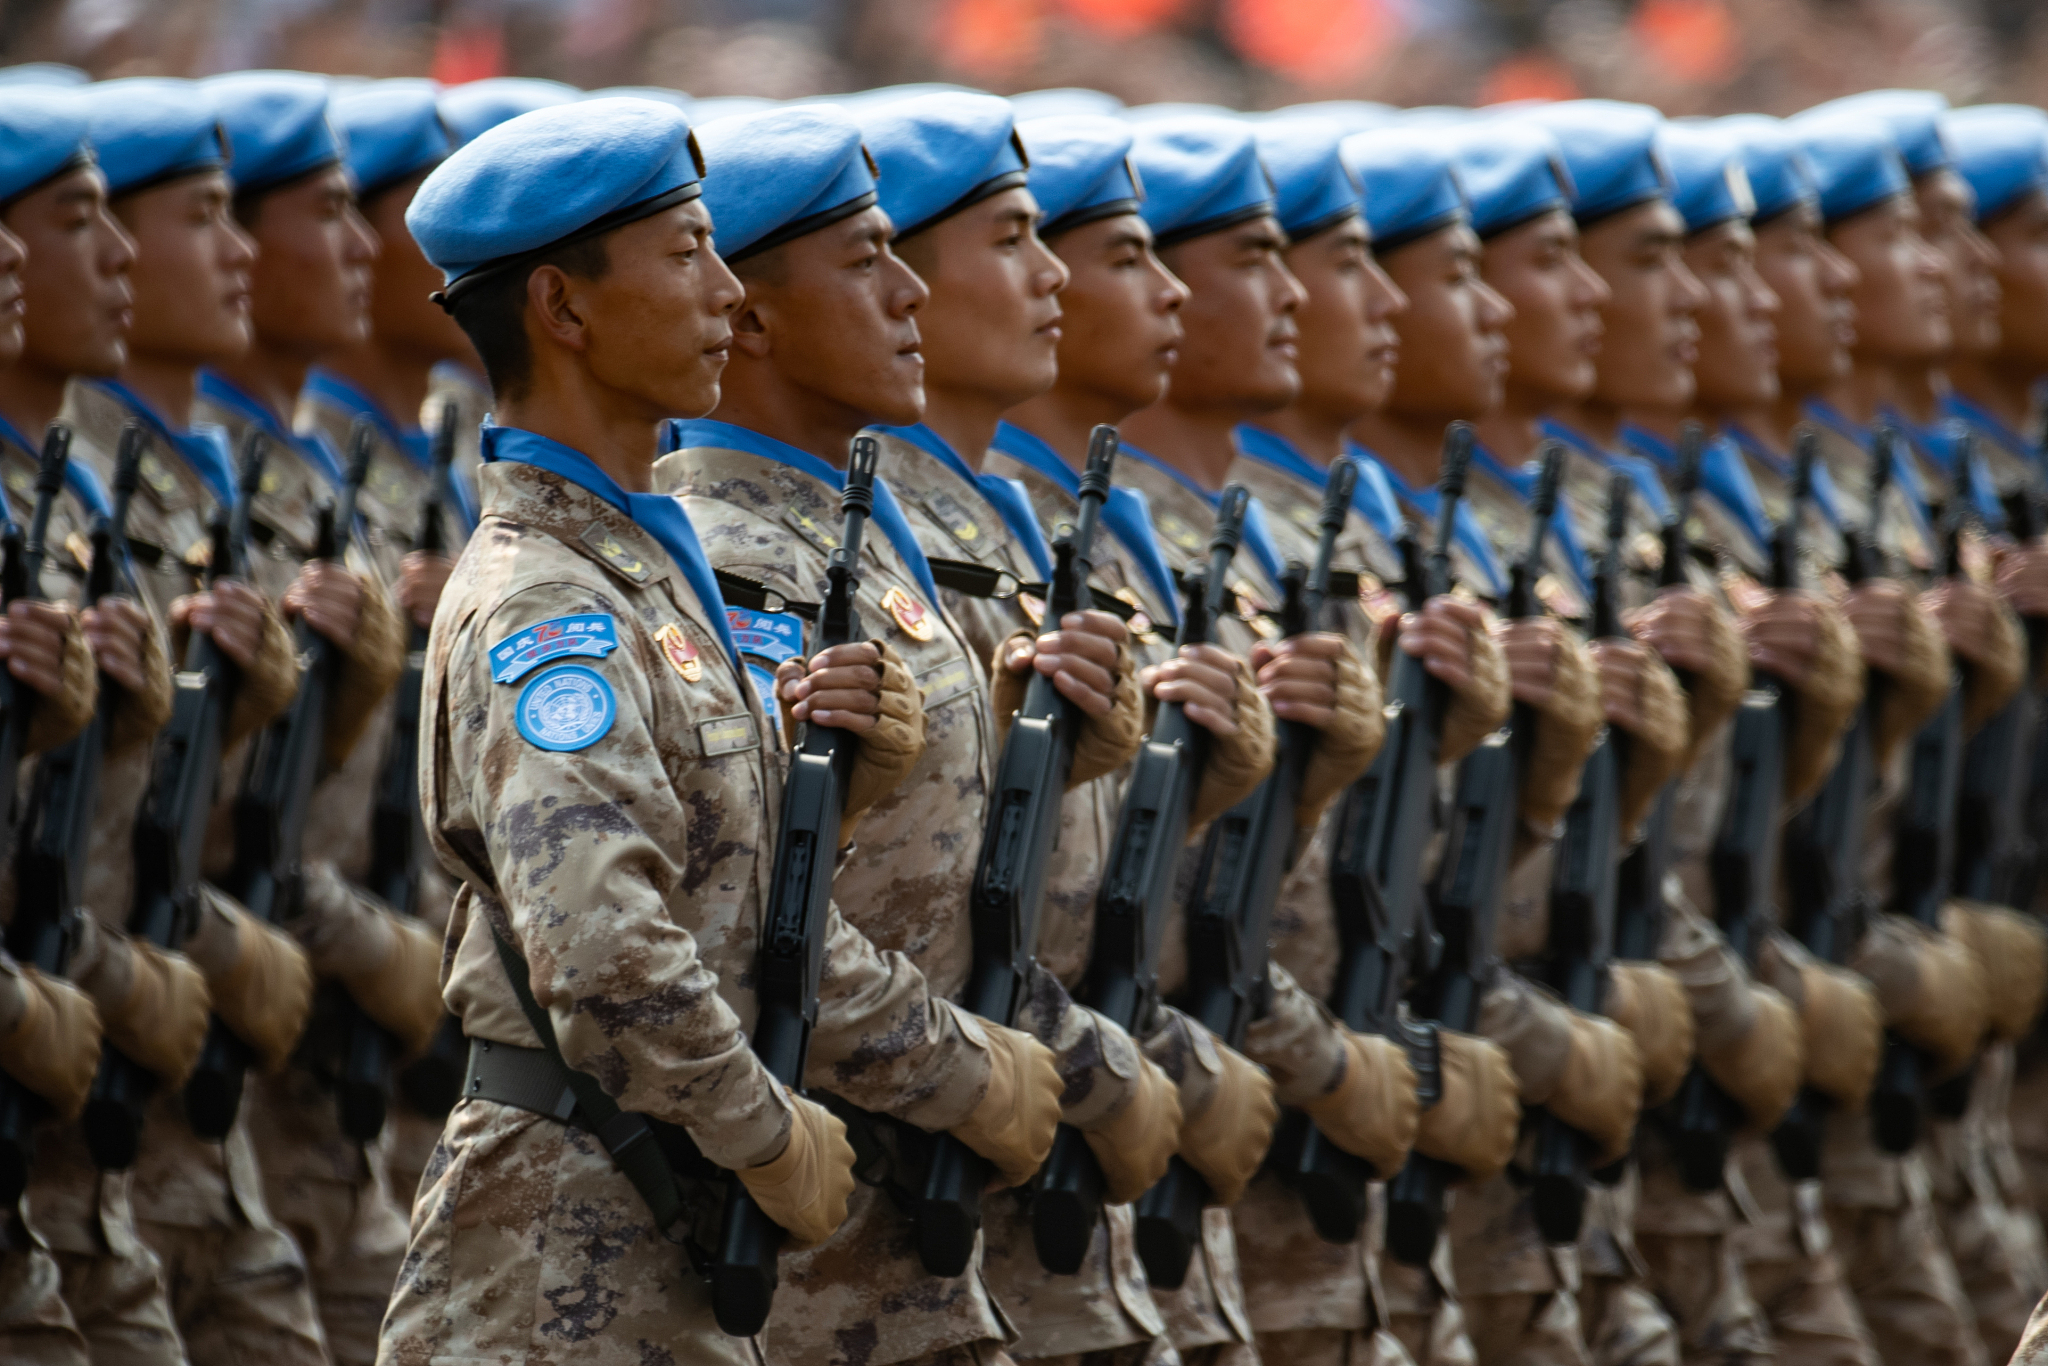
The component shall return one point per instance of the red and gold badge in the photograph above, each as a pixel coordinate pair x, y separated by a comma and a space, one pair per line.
682, 654
910, 614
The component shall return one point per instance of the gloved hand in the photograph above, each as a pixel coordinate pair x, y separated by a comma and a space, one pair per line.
403, 991
2013, 951
1473, 1127
1228, 1139
1761, 1067
161, 1022
805, 1188
1553, 673
1135, 1145
258, 975
1093, 656
1844, 1033
52, 1043
1600, 1092
1373, 1111
1930, 987
1346, 746
1650, 1003
1014, 1122
890, 745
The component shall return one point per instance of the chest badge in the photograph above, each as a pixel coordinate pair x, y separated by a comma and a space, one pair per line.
566, 708
518, 654
680, 652
911, 615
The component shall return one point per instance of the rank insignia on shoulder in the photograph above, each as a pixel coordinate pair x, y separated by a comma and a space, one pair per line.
1141, 620
1179, 532
910, 614
614, 553
156, 476
566, 708
594, 634
680, 652
810, 528
950, 515
774, 636
80, 549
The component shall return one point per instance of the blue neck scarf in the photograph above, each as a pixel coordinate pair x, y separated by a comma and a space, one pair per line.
1371, 496
78, 476
657, 514
1824, 496
1905, 476
1258, 536
314, 448
204, 447
413, 441
1465, 528
1125, 512
1937, 443
1992, 425
1723, 476
1006, 496
1640, 471
684, 434
1523, 482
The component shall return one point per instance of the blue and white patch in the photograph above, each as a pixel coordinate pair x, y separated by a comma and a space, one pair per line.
520, 653
764, 688
774, 636
569, 707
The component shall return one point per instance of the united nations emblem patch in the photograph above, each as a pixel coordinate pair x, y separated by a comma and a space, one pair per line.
568, 707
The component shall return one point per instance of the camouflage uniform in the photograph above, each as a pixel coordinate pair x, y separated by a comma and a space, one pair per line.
525, 1238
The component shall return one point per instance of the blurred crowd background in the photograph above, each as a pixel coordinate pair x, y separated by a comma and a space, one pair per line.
1685, 56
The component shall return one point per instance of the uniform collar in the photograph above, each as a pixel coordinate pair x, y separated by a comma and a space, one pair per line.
1005, 496
1465, 528
1371, 496
414, 443
217, 389
203, 446
1258, 536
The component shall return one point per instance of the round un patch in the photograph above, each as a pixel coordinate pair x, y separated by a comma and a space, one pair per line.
568, 707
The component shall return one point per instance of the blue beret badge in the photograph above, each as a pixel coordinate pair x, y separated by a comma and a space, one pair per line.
568, 707
594, 634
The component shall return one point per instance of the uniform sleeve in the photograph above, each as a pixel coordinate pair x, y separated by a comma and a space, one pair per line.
1297, 1040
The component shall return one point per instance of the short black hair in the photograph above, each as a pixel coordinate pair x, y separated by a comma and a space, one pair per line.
493, 313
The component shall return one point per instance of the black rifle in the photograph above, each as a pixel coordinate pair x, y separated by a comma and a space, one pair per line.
57, 835
1582, 892
362, 1082
285, 762
1479, 839
170, 827
21, 565
1923, 848
1131, 903
1009, 877
743, 1276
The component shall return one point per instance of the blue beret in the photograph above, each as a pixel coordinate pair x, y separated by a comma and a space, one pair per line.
1080, 169
1201, 175
42, 134
277, 124
151, 129
473, 107
1511, 172
1357, 116
1780, 176
42, 73
1913, 118
552, 177
1411, 184
1855, 166
1712, 183
661, 93
938, 154
1312, 187
1044, 104
2002, 151
1611, 150
776, 175
393, 129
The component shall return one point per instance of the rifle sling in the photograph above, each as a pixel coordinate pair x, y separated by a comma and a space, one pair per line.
979, 581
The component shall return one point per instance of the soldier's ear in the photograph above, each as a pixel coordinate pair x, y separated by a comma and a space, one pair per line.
552, 307
750, 330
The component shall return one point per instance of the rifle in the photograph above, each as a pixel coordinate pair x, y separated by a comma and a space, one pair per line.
284, 763
362, 1083
50, 862
1383, 825
1478, 844
743, 1276
1131, 903
1923, 850
1742, 862
21, 567
1009, 877
170, 827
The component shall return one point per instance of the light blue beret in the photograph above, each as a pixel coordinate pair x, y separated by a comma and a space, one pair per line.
1711, 182
1201, 175
1855, 165
1912, 116
2002, 150
1044, 104
1511, 172
151, 129
1411, 183
277, 124
1357, 116
1611, 150
474, 106
1780, 176
936, 155
1312, 187
1080, 169
549, 178
42, 73
42, 134
661, 93
393, 129
776, 175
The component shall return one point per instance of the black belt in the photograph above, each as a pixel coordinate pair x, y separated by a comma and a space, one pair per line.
527, 1078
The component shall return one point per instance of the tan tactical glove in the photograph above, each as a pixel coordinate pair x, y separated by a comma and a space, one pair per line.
1373, 1111
1601, 1091
1929, 986
1656, 740
806, 1188
1761, 1067
1844, 1033
1239, 762
1228, 1138
1136, 1144
1915, 692
51, 1037
56, 720
261, 984
402, 991
142, 714
1992, 679
1650, 1003
161, 1021
1564, 737
1345, 748
1824, 706
268, 684
1105, 743
1480, 710
1712, 694
1473, 1126
1014, 1122
893, 745
370, 665
2013, 952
